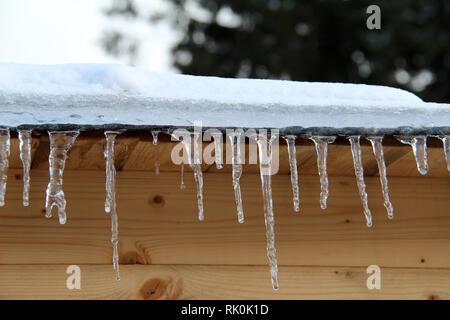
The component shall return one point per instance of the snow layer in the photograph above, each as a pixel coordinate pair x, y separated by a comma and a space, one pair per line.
93, 95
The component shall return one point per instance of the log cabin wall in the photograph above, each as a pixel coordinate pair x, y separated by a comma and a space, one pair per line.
166, 253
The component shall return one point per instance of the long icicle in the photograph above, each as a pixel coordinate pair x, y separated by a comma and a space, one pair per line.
155, 143
377, 146
218, 149
290, 140
359, 173
235, 140
321, 143
182, 185
198, 175
195, 163
4, 163
25, 156
446, 144
110, 201
60, 143
265, 167
419, 146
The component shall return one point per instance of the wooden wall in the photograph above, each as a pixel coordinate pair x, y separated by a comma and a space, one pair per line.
166, 253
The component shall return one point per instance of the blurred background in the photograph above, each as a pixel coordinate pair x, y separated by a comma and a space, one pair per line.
313, 40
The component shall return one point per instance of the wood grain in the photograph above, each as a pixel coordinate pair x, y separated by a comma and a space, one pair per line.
138, 153
166, 253
220, 282
158, 222
85, 153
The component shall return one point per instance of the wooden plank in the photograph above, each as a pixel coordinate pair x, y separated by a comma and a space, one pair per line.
138, 153
144, 156
220, 282
158, 223
399, 161
86, 152
405, 164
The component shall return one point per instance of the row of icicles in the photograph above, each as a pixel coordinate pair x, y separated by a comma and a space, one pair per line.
61, 141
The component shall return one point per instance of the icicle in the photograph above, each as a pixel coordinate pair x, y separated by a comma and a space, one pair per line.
155, 143
359, 173
110, 202
25, 156
60, 143
218, 149
446, 144
265, 166
290, 140
321, 143
237, 171
419, 146
377, 146
195, 164
182, 185
4, 155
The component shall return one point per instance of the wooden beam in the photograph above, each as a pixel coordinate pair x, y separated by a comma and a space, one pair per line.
158, 222
86, 152
220, 282
138, 153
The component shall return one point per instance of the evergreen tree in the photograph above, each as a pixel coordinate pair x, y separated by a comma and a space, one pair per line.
312, 40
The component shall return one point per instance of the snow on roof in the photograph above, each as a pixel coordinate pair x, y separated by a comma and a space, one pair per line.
102, 95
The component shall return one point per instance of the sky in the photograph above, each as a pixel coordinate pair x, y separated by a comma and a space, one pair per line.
68, 31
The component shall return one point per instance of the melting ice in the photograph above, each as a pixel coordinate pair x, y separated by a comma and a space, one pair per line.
182, 185
265, 167
218, 149
4, 155
359, 172
419, 146
377, 146
446, 144
321, 143
194, 159
110, 202
235, 140
155, 143
290, 140
25, 156
60, 143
